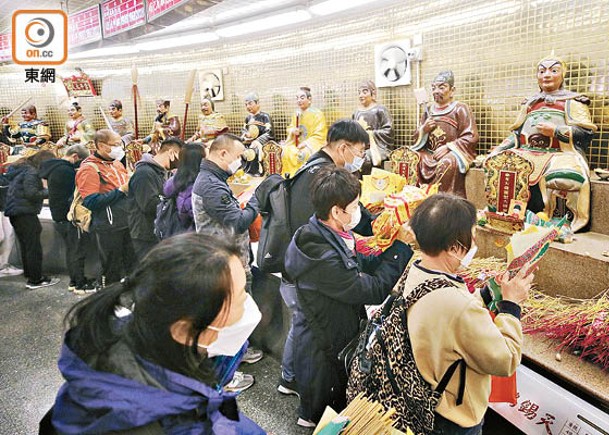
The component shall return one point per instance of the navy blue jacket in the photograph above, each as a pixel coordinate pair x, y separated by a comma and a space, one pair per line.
95, 401
218, 201
333, 283
25, 191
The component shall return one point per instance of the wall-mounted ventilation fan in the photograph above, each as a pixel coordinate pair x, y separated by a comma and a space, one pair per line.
392, 67
210, 83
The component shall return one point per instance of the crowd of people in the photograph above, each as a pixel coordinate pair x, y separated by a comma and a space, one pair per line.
156, 346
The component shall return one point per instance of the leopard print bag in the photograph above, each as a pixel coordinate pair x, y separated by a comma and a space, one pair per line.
386, 371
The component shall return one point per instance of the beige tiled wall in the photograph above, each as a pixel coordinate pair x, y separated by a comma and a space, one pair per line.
492, 47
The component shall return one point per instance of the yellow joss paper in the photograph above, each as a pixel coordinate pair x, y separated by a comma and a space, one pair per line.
379, 184
398, 209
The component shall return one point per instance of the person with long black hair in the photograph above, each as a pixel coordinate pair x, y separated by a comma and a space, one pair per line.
151, 354
180, 185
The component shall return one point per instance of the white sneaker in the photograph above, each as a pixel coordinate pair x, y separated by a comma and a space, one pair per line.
240, 382
305, 423
44, 282
10, 270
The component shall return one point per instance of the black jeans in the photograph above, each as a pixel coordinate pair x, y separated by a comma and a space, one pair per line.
443, 426
77, 244
116, 255
27, 229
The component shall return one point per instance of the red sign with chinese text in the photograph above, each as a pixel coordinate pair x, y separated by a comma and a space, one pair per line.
79, 86
121, 15
84, 27
5, 47
156, 8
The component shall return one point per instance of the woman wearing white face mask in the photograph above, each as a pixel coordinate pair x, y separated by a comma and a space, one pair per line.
137, 355
333, 282
451, 324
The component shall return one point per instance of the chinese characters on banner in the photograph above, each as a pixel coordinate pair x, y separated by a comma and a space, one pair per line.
5, 47
156, 8
84, 27
121, 15
544, 421
79, 86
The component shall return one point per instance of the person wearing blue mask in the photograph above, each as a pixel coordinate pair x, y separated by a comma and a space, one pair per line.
333, 282
345, 147
151, 354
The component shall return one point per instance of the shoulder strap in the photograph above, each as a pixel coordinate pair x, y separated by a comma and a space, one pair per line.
305, 167
421, 290
288, 184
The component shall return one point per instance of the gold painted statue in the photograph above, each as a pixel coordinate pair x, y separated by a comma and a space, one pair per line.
211, 124
551, 133
306, 133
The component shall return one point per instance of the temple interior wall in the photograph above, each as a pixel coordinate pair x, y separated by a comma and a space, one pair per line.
492, 47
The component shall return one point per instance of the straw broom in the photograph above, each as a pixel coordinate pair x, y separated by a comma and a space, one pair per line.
190, 83
135, 92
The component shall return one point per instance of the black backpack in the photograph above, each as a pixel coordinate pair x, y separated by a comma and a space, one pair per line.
273, 195
167, 222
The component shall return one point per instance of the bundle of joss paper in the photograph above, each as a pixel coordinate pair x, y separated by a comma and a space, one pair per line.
361, 416
396, 210
525, 249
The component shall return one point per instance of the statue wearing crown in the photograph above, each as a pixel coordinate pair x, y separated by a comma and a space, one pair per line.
446, 140
548, 141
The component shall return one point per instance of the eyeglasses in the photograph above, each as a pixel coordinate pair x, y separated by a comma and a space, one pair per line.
356, 151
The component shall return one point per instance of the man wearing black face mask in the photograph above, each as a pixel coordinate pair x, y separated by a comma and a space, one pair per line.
145, 186
60, 175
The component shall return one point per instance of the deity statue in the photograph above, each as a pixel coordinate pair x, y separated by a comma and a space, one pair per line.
119, 124
257, 132
551, 134
78, 130
165, 125
30, 133
306, 133
447, 138
211, 123
377, 121
124, 127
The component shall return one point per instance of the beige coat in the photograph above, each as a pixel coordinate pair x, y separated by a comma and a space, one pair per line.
450, 324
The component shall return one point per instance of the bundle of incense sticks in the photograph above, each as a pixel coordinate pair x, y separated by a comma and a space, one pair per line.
367, 417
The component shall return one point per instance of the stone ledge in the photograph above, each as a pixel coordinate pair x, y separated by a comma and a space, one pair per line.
577, 270
576, 371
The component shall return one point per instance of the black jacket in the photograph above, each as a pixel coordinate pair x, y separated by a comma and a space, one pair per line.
60, 175
25, 192
332, 284
301, 208
145, 186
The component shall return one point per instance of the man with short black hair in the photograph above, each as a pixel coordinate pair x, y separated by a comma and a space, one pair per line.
145, 186
102, 181
217, 211
346, 146
60, 175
